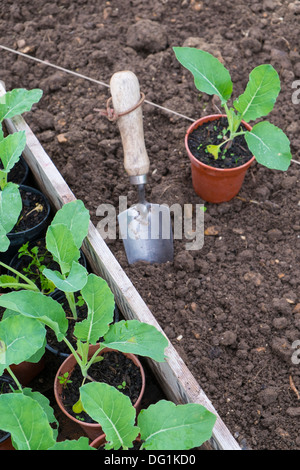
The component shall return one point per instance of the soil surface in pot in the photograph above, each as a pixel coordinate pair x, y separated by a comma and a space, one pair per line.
232, 307
213, 133
34, 211
115, 369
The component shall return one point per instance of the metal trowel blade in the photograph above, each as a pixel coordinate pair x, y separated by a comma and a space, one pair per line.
146, 231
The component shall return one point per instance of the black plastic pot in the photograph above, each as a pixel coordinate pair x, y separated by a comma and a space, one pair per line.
17, 239
20, 172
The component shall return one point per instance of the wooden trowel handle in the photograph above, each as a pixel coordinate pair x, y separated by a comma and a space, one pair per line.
125, 93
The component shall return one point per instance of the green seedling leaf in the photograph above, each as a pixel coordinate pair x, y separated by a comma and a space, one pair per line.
234, 120
6, 280
10, 206
78, 407
18, 101
64, 379
270, 146
209, 73
20, 337
36, 357
60, 243
82, 349
214, 150
38, 306
45, 404
113, 410
82, 443
27, 422
4, 240
101, 305
260, 94
98, 359
2, 353
166, 426
75, 281
11, 147
76, 217
135, 337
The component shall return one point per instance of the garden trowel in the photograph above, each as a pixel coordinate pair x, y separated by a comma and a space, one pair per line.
145, 228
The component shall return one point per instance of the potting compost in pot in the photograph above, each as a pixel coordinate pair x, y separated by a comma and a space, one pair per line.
231, 307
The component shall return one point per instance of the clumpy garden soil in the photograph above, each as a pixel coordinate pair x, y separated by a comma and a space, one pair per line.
231, 308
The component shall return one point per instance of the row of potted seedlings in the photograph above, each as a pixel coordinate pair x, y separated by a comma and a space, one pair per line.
46, 305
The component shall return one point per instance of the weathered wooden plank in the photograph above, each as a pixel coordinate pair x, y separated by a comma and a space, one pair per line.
176, 380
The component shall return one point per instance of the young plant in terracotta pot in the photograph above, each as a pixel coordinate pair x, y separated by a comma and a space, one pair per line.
162, 426
95, 336
222, 147
12, 208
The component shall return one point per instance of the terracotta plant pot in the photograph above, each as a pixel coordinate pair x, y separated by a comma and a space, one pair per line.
92, 430
101, 441
215, 184
27, 371
5, 443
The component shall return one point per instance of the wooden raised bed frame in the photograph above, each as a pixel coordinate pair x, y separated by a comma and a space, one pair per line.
175, 379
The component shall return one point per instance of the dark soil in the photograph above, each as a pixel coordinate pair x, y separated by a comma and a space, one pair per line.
212, 133
115, 369
232, 309
34, 211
